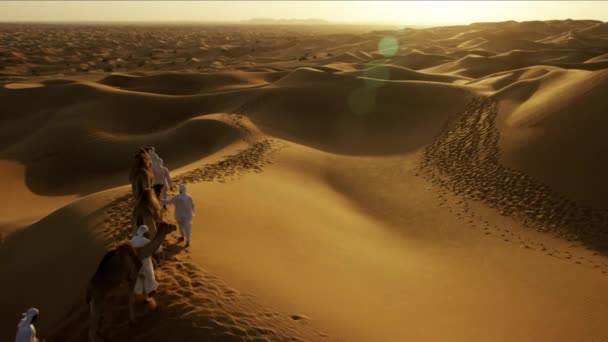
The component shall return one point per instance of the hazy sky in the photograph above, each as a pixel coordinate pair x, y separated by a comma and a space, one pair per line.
399, 12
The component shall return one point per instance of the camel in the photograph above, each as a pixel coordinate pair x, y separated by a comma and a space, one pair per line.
142, 180
141, 176
147, 210
119, 265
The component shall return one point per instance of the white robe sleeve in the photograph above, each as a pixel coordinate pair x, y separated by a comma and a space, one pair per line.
170, 201
168, 177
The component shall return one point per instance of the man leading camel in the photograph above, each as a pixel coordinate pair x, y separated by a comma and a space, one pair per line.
184, 212
146, 281
162, 179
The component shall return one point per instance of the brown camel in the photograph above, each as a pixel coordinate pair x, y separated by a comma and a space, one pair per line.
142, 180
141, 176
147, 210
119, 265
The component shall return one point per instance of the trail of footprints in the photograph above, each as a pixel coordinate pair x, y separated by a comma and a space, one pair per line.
464, 160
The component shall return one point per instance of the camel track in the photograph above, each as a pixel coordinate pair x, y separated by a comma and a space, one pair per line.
190, 301
465, 159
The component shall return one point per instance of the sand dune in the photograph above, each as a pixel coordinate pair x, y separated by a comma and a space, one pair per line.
446, 187
544, 139
419, 60
600, 58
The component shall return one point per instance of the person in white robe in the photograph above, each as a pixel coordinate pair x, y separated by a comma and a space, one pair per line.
146, 282
162, 180
25, 329
184, 212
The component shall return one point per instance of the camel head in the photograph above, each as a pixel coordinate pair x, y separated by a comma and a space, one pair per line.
166, 228
142, 158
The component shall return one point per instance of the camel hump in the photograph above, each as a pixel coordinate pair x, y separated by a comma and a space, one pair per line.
128, 250
107, 258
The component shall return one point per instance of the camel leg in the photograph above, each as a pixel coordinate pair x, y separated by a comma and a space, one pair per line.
132, 304
137, 221
94, 309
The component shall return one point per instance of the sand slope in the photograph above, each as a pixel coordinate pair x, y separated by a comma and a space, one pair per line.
449, 186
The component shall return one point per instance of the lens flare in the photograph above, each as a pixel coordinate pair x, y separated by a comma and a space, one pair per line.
388, 46
376, 75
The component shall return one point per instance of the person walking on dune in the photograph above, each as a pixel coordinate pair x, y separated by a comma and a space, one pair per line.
146, 282
184, 213
25, 329
162, 180
153, 156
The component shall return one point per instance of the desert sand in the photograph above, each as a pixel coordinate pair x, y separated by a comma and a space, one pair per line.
351, 183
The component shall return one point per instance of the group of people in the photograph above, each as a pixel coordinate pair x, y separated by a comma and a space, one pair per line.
146, 282
183, 214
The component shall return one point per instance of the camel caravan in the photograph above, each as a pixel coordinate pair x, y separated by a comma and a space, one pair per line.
130, 262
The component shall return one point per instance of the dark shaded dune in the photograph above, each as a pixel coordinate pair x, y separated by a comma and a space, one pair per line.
434, 50
571, 57
84, 128
346, 57
600, 58
86, 159
395, 73
510, 35
303, 76
55, 243
472, 43
463, 53
503, 79
533, 25
469, 35
110, 108
417, 60
575, 40
57, 82
478, 66
599, 29
339, 67
503, 45
570, 24
549, 55
186, 84
553, 129
580, 66
327, 68
331, 116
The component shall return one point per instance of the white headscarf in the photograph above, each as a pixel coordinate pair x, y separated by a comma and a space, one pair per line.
156, 161
142, 230
139, 240
28, 316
